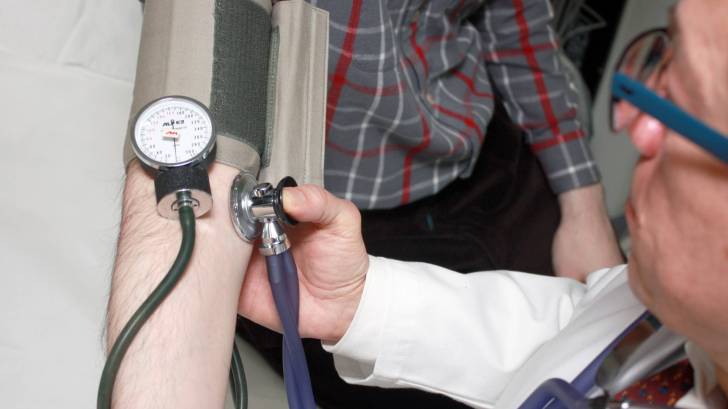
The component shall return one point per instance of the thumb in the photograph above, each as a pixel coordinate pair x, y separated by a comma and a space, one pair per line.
313, 204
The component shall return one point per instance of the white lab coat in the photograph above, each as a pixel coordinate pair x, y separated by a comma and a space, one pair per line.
486, 339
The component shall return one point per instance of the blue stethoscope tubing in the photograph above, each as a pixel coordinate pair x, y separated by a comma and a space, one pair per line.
283, 277
559, 394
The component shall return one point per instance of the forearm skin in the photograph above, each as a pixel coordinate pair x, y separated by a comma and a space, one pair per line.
181, 357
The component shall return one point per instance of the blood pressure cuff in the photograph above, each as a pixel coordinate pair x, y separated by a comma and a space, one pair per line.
261, 70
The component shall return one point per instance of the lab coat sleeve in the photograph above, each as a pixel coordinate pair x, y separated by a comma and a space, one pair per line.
425, 327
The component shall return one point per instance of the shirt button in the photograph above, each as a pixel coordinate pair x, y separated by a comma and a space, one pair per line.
430, 98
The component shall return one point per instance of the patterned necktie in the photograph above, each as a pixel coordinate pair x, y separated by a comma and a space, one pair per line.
664, 388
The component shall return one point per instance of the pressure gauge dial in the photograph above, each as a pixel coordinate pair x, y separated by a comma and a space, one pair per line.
172, 132
176, 136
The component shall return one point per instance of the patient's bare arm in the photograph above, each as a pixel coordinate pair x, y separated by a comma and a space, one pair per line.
584, 241
181, 357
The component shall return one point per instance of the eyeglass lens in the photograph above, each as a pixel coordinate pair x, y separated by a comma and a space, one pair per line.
643, 60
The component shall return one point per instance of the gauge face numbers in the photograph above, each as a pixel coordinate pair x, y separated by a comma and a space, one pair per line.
173, 131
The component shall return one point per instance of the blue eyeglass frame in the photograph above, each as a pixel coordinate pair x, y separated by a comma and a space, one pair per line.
665, 111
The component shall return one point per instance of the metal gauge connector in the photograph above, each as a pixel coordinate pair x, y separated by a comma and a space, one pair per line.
175, 136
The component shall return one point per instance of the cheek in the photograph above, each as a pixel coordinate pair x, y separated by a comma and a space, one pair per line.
643, 264
679, 261
637, 278
656, 248
657, 276
679, 268
689, 300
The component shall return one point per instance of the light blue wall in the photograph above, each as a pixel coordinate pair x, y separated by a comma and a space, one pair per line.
614, 153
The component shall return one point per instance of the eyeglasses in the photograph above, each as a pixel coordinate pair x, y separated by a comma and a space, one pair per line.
635, 81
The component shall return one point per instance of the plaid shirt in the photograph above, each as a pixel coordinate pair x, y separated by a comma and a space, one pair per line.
411, 88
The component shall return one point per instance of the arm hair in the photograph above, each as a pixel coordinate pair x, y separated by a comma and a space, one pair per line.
181, 357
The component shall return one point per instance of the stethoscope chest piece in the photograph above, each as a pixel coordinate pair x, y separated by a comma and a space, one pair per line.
256, 210
241, 207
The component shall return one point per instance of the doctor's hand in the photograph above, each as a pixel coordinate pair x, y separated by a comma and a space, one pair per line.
584, 241
332, 263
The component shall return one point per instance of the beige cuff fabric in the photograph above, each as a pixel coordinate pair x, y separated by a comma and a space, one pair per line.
165, 66
296, 91
297, 147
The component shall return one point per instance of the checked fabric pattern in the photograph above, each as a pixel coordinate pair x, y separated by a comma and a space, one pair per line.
411, 91
665, 388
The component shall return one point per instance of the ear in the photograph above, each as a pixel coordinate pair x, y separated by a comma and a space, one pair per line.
647, 134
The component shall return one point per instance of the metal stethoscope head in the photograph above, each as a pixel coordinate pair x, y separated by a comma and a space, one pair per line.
257, 211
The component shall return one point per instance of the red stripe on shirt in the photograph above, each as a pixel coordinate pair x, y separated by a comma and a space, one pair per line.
469, 107
369, 153
470, 82
418, 49
385, 91
430, 40
530, 54
570, 114
453, 16
407, 175
514, 52
467, 121
342, 66
409, 158
468, 103
551, 142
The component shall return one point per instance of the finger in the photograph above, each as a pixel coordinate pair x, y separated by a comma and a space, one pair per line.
313, 204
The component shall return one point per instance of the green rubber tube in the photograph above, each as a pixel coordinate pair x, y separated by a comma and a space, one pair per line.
113, 362
238, 383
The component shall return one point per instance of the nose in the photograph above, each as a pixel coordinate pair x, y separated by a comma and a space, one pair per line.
647, 135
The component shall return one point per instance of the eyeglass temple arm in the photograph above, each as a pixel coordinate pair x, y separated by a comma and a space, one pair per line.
624, 87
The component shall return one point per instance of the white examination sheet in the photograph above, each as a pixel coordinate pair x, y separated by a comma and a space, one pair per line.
66, 77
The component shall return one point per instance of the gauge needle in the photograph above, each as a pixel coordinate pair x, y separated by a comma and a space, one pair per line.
174, 140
